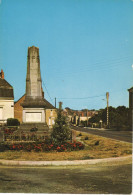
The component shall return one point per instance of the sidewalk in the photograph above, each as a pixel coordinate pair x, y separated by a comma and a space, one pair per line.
64, 163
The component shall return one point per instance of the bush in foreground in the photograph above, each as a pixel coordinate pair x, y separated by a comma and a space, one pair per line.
13, 122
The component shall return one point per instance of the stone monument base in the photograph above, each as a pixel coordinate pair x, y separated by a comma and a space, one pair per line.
42, 128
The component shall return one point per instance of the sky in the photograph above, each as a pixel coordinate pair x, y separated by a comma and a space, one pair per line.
85, 47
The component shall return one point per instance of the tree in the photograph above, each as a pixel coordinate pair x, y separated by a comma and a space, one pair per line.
61, 132
118, 117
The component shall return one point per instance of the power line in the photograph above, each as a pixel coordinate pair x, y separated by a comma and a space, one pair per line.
103, 65
47, 91
84, 97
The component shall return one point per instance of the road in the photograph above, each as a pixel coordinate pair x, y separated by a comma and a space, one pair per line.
87, 179
118, 135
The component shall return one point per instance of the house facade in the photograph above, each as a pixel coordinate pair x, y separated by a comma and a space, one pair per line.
6, 99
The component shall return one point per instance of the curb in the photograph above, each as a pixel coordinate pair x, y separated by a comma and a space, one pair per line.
59, 163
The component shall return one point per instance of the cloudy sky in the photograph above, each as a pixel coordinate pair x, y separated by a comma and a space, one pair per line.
86, 48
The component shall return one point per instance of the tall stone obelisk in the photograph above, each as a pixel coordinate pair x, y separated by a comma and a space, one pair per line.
33, 105
33, 79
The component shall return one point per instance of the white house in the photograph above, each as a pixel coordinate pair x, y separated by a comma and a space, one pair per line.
6, 99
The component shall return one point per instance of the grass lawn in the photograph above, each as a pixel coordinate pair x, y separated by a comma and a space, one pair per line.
95, 147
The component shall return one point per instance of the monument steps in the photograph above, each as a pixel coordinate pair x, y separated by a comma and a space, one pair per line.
41, 127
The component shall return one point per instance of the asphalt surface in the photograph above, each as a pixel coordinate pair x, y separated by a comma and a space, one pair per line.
118, 135
98, 179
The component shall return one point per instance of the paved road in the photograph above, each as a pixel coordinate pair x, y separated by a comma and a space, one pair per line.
89, 179
118, 135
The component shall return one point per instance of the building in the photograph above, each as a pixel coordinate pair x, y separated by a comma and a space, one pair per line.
50, 111
76, 116
131, 107
6, 100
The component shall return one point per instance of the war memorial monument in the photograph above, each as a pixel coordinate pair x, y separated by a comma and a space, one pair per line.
34, 106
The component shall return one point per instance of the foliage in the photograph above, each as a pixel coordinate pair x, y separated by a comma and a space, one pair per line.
97, 143
61, 132
13, 122
86, 138
4, 147
34, 129
42, 147
9, 131
109, 148
118, 117
84, 123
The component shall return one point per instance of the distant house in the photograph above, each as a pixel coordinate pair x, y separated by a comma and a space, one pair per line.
6, 99
76, 116
131, 106
50, 111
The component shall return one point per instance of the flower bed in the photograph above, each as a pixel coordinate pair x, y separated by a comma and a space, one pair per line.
9, 131
43, 147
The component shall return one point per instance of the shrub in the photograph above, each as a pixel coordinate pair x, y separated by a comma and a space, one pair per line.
34, 129
86, 138
13, 122
4, 147
97, 143
9, 131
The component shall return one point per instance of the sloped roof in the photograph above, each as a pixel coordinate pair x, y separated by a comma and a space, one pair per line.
48, 105
5, 84
6, 90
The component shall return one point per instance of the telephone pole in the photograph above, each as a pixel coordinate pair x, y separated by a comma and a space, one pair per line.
60, 105
55, 102
87, 116
107, 97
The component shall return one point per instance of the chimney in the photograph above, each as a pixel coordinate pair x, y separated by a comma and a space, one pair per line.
2, 74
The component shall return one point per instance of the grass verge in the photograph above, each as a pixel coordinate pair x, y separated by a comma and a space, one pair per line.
96, 147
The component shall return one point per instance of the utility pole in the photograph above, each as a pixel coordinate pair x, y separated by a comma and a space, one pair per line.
87, 116
107, 97
60, 105
55, 102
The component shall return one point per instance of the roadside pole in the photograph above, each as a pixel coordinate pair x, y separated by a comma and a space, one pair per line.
55, 102
107, 97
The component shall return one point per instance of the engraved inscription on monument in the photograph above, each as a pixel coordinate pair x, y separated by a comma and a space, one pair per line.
33, 116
